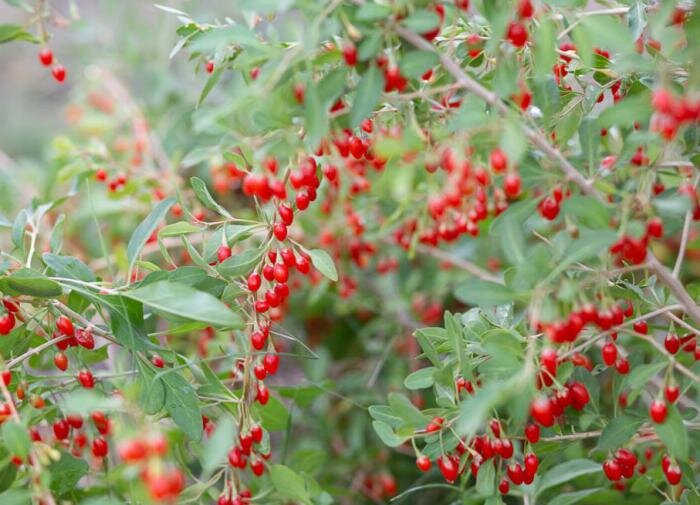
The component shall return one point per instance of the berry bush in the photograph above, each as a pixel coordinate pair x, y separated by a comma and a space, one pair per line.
355, 251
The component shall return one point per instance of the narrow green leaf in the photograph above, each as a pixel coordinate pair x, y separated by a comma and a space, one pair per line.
203, 195
387, 435
69, 267
185, 302
217, 446
567, 471
673, 434
367, 95
420, 379
177, 229
617, 432
182, 404
289, 484
323, 263
28, 282
145, 229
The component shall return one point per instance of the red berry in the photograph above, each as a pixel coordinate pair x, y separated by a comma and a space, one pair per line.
612, 470
641, 327
86, 379
672, 392
503, 486
532, 433
658, 411
281, 273
531, 463
209, 66
525, 9
61, 429
449, 467
100, 448
609, 353
59, 72
46, 56
257, 433
7, 323
515, 473
84, 338
623, 366
223, 253
673, 474
286, 213
65, 326
61, 361
271, 363
423, 463
157, 361
541, 411
280, 231
498, 160
350, 55
549, 208
517, 34
672, 343
655, 227
511, 185
262, 394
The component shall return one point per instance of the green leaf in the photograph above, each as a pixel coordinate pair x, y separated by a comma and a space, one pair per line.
203, 195
421, 21
566, 471
402, 407
217, 446
274, 416
28, 282
617, 432
289, 484
485, 293
420, 379
145, 230
641, 375
177, 229
586, 211
414, 64
673, 434
185, 302
573, 497
315, 116
126, 322
372, 12
66, 472
589, 245
10, 32
486, 480
16, 438
545, 48
387, 435
211, 82
69, 267
323, 263
182, 404
240, 263
631, 108
367, 95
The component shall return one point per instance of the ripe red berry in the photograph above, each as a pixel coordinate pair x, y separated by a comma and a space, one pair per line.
7, 323
498, 160
503, 486
209, 66
449, 467
541, 411
157, 361
672, 392
280, 231
262, 394
515, 473
549, 208
612, 470
609, 353
655, 227
61, 361
100, 447
271, 363
84, 338
511, 185
350, 55
532, 433
658, 411
286, 213
423, 463
525, 9
46, 56
517, 34
673, 474
622, 366
86, 379
59, 72
672, 343
65, 326
531, 463
61, 429
641, 327
281, 273
254, 282
223, 253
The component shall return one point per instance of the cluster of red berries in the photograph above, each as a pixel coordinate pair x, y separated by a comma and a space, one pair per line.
517, 31
245, 452
604, 318
8, 319
633, 250
545, 410
549, 206
379, 486
672, 112
163, 484
46, 58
